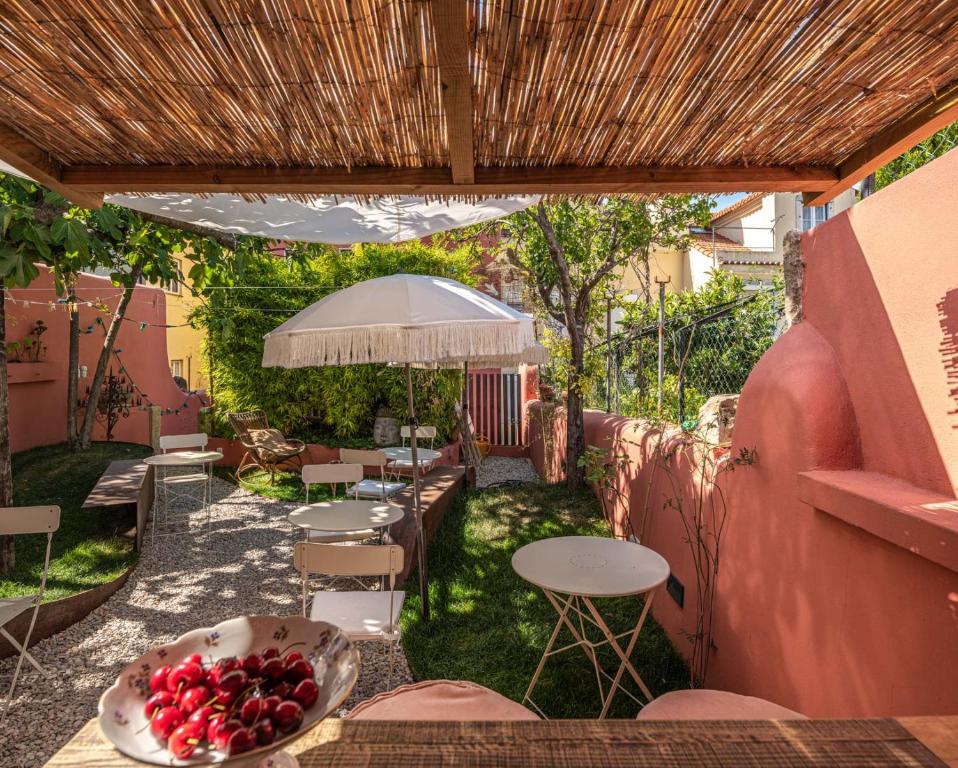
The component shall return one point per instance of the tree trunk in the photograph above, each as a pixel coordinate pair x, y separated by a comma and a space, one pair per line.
89, 418
73, 366
575, 431
6, 475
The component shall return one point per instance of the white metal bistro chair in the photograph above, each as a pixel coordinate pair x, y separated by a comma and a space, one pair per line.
15, 521
170, 484
361, 614
423, 433
333, 475
370, 488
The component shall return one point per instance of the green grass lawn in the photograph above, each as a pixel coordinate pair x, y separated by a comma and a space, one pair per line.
87, 550
288, 486
490, 627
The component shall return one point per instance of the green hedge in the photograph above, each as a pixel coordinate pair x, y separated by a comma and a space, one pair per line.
339, 403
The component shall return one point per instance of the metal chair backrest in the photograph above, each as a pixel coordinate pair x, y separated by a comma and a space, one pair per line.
367, 458
422, 433
331, 474
336, 560
15, 521
179, 442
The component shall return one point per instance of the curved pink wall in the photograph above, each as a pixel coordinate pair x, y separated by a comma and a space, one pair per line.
838, 584
38, 409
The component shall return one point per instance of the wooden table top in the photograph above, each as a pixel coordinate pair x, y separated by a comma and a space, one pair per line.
921, 741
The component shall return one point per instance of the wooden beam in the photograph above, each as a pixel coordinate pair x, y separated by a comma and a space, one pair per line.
34, 163
914, 127
439, 181
451, 28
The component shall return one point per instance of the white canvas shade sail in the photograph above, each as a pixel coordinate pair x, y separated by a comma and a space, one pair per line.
337, 220
400, 319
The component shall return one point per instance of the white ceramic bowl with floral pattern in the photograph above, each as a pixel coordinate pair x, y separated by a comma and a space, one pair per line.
332, 654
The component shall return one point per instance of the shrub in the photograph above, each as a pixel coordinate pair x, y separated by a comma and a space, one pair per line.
319, 404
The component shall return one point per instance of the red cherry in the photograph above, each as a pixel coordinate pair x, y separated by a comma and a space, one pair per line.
306, 693
195, 658
299, 670
224, 731
184, 740
220, 668
270, 653
252, 710
273, 669
234, 682
194, 698
252, 664
240, 741
184, 675
265, 732
288, 716
203, 715
293, 656
272, 701
213, 726
165, 721
158, 678
224, 699
157, 701
283, 690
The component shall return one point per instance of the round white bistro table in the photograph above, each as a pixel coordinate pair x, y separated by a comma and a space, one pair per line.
178, 484
401, 458
346, 515
571, 571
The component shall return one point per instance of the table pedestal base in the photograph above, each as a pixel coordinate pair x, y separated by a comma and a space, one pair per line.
577, 621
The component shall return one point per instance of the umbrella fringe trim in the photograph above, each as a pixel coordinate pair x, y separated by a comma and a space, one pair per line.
392, 344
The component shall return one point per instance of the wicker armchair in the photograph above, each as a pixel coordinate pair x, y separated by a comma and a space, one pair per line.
266, 449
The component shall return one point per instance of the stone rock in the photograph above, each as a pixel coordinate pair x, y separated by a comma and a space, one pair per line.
717, 419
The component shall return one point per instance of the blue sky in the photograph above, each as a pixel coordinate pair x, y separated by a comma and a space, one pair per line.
722, 200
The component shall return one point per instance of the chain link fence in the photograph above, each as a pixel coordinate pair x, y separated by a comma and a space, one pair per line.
708, 354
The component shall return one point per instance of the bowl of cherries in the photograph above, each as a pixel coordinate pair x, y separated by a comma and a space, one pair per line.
233, 692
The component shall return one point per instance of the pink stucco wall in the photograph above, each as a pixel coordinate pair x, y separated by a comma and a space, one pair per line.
38, 393
838, 584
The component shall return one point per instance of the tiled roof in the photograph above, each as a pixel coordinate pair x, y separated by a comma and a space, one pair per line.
739, 205
729, 251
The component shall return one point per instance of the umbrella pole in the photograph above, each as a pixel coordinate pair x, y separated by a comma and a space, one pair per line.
420, 538
466, 436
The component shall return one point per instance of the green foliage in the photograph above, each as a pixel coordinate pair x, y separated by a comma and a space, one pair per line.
717, 356
597, 239
945, 140
316, 403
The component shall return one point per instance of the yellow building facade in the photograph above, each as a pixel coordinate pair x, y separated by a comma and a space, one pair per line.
184, 344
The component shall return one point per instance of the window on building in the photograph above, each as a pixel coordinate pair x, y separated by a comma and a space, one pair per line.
513, 293
176, 368
173, 284
809, 217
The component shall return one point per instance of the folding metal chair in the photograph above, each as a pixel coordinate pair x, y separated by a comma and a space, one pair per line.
370, 488
333, 475
15, 521
362, 614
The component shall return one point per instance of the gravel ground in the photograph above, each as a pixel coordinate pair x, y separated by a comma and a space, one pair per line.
500, 469
177, 586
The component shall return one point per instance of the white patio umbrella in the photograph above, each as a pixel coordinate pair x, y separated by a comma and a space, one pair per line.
406, 319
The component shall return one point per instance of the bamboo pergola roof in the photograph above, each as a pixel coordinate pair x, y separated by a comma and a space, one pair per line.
469, 97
